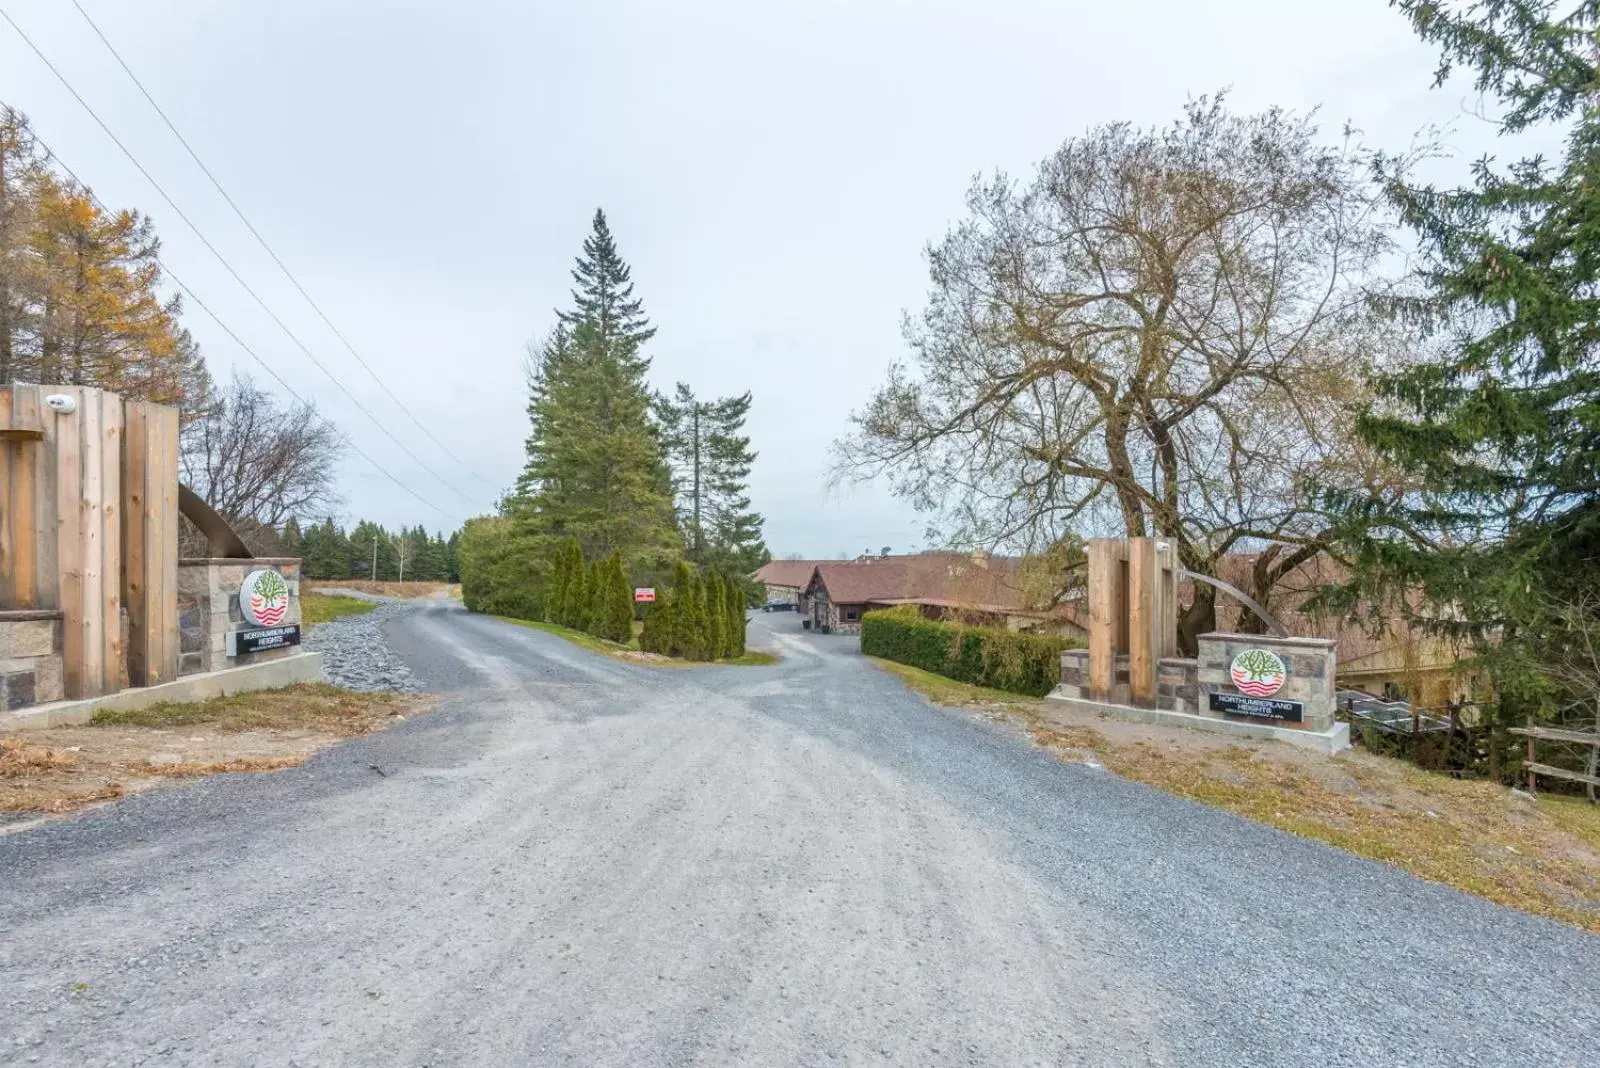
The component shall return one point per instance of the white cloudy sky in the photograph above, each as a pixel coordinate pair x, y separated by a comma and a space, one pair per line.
772, 171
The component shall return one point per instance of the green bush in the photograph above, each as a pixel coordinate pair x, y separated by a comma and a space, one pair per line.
502, 573
981, 656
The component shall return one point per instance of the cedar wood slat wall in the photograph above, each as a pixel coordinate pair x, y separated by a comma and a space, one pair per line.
150, 540
71, 496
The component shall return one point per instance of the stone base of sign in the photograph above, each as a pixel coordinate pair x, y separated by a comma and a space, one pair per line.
30, 658
268, 675
1184, 688
208, 608
1334, 740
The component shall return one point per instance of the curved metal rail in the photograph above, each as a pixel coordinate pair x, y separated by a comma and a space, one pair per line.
1243, 598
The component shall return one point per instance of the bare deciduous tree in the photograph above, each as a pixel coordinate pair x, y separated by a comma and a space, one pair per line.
1161, 335
256, 462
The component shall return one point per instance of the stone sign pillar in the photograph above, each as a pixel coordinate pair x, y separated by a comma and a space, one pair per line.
1286, 683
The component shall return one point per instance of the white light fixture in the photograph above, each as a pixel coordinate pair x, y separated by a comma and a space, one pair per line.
60, 402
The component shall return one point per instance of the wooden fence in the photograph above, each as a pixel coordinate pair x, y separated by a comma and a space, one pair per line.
88, 527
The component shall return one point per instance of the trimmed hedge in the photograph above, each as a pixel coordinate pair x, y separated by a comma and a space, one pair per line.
982, 656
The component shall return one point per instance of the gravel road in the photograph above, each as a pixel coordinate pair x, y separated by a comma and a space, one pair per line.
580, 861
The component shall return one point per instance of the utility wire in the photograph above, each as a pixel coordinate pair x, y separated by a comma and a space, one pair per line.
263, 243
226, 265
265, 366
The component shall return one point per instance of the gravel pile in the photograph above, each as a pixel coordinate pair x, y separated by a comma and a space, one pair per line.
355, 654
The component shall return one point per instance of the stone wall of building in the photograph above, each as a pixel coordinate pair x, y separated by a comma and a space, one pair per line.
30, 658
208, 610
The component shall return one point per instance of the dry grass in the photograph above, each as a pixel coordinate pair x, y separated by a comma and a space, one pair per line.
1542, 857
310, 706
387, 589
19, 760
61, 769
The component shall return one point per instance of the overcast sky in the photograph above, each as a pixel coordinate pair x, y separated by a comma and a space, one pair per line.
772, 171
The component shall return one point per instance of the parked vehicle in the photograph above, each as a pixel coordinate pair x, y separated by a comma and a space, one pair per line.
779, 606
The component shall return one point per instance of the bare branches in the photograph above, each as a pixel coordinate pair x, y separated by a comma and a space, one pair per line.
252, 460
1165, 332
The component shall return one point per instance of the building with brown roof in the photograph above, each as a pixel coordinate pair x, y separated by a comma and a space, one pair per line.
974, 588
785, 580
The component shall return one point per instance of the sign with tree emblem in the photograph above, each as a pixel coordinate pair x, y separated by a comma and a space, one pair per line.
264, 598
1258, 672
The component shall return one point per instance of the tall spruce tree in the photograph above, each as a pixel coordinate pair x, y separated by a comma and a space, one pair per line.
1499, 429
594, 469
710, 460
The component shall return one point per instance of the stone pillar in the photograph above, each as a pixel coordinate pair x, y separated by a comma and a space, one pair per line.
1308, 681
30, 658
208, 610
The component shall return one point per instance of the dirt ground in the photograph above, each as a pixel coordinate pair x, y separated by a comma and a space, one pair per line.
61, 769
1541, 855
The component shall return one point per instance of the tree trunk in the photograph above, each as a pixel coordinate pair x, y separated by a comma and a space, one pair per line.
1199, 618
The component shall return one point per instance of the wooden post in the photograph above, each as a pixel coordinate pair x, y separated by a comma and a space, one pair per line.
1533, 785
1108, 613
150, 540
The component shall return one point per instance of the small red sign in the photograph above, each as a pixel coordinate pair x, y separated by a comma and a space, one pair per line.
644, 594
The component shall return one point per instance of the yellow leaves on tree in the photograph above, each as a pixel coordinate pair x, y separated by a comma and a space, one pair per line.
79, 297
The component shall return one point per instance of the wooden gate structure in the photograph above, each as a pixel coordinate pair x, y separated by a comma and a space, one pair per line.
89, 508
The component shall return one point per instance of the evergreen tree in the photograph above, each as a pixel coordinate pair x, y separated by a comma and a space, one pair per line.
710, 462
620, 602
594, 469
717, 615
680, 636
604, 296
1498, 431
696, 620
560, 580
736, 618
452, 557
291, 538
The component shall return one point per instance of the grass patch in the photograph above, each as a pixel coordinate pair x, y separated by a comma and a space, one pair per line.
310, 706
325, 607
1476, 836
631, 652
387, 589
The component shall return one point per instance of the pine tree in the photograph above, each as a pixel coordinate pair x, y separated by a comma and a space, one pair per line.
291, 537
710, 462
594, 469
1499, 430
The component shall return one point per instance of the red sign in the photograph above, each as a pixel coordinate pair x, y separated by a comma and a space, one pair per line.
644, 594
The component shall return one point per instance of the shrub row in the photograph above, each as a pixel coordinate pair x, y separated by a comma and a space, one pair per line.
982, 656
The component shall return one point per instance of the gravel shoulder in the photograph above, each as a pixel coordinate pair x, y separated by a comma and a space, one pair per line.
582, 861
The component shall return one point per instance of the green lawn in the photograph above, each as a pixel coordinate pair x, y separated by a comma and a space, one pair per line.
751, 658
323, 607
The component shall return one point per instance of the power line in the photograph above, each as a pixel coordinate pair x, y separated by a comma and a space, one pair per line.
269, 250
224, 261
265, 366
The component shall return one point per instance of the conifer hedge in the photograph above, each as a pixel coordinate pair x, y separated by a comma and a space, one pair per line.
982, 656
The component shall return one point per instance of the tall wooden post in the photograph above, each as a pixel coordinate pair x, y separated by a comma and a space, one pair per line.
1108, 613
1152, 614
150, 541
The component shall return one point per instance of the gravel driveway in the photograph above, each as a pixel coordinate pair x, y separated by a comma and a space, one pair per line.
581, 861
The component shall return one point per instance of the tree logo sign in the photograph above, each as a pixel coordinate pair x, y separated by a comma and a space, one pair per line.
1258, 672
264, 598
